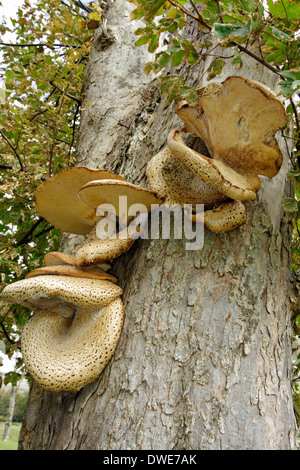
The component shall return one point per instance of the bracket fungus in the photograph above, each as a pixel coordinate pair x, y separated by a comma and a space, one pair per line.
69, 201
75, 330
78, 309
237, 120
109, 191
54, 258
214, 172
68, 270
71, 352
95, 193
224, 218
58, 202
175, 183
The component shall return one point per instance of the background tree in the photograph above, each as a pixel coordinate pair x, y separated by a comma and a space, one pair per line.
213, 328
43, 72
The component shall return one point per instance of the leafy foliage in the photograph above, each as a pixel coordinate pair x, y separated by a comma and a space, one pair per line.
43, 73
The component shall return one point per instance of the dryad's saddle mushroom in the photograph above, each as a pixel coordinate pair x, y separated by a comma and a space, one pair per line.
237, 120
75, 329
69, 201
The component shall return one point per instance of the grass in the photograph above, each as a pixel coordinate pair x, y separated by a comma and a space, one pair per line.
12, 443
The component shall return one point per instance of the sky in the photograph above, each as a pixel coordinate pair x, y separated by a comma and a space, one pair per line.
9, 8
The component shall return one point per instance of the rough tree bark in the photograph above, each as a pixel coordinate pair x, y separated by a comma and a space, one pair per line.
204, 361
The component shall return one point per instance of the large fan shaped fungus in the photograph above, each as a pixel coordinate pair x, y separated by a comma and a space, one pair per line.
74, 332
237, 120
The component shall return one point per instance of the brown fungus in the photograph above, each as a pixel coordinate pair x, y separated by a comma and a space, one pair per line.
54, 258
43, 292
65, 354
238, 120
175, 183
58, 202
224, 218
68, 270
96, 250
213, 172
74, 332
109, 191
70, 200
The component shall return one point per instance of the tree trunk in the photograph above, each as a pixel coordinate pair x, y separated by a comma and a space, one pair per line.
10, 413
204, 360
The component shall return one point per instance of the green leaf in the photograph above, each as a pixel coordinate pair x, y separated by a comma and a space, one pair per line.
178, 58
281, 34
292, 83
284, 9
143, 40
228, 31
164, 59
215, 68
237, 62
290, 204
10, 74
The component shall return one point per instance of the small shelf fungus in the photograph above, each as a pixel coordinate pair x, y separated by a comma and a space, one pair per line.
110, 192
69, 201
76, 327
237, 120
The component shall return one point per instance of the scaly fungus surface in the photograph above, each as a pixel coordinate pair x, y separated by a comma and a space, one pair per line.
237, 120
75, 330
65, 354
68, 270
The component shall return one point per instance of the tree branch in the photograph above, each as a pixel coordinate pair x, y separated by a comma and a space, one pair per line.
74, 129
29, 233
198, 18
13, 149
5, 167
64, 93
4, 329
254, 56
41, 44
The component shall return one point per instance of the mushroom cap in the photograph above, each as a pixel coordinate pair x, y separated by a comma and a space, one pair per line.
72, 352
68, 270
98, 251
173, 182
58, 202
54, 258
108, 191
224, 218
47, 292
213, 172
238, 120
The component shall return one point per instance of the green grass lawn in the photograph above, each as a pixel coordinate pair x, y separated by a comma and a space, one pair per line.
12, 443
